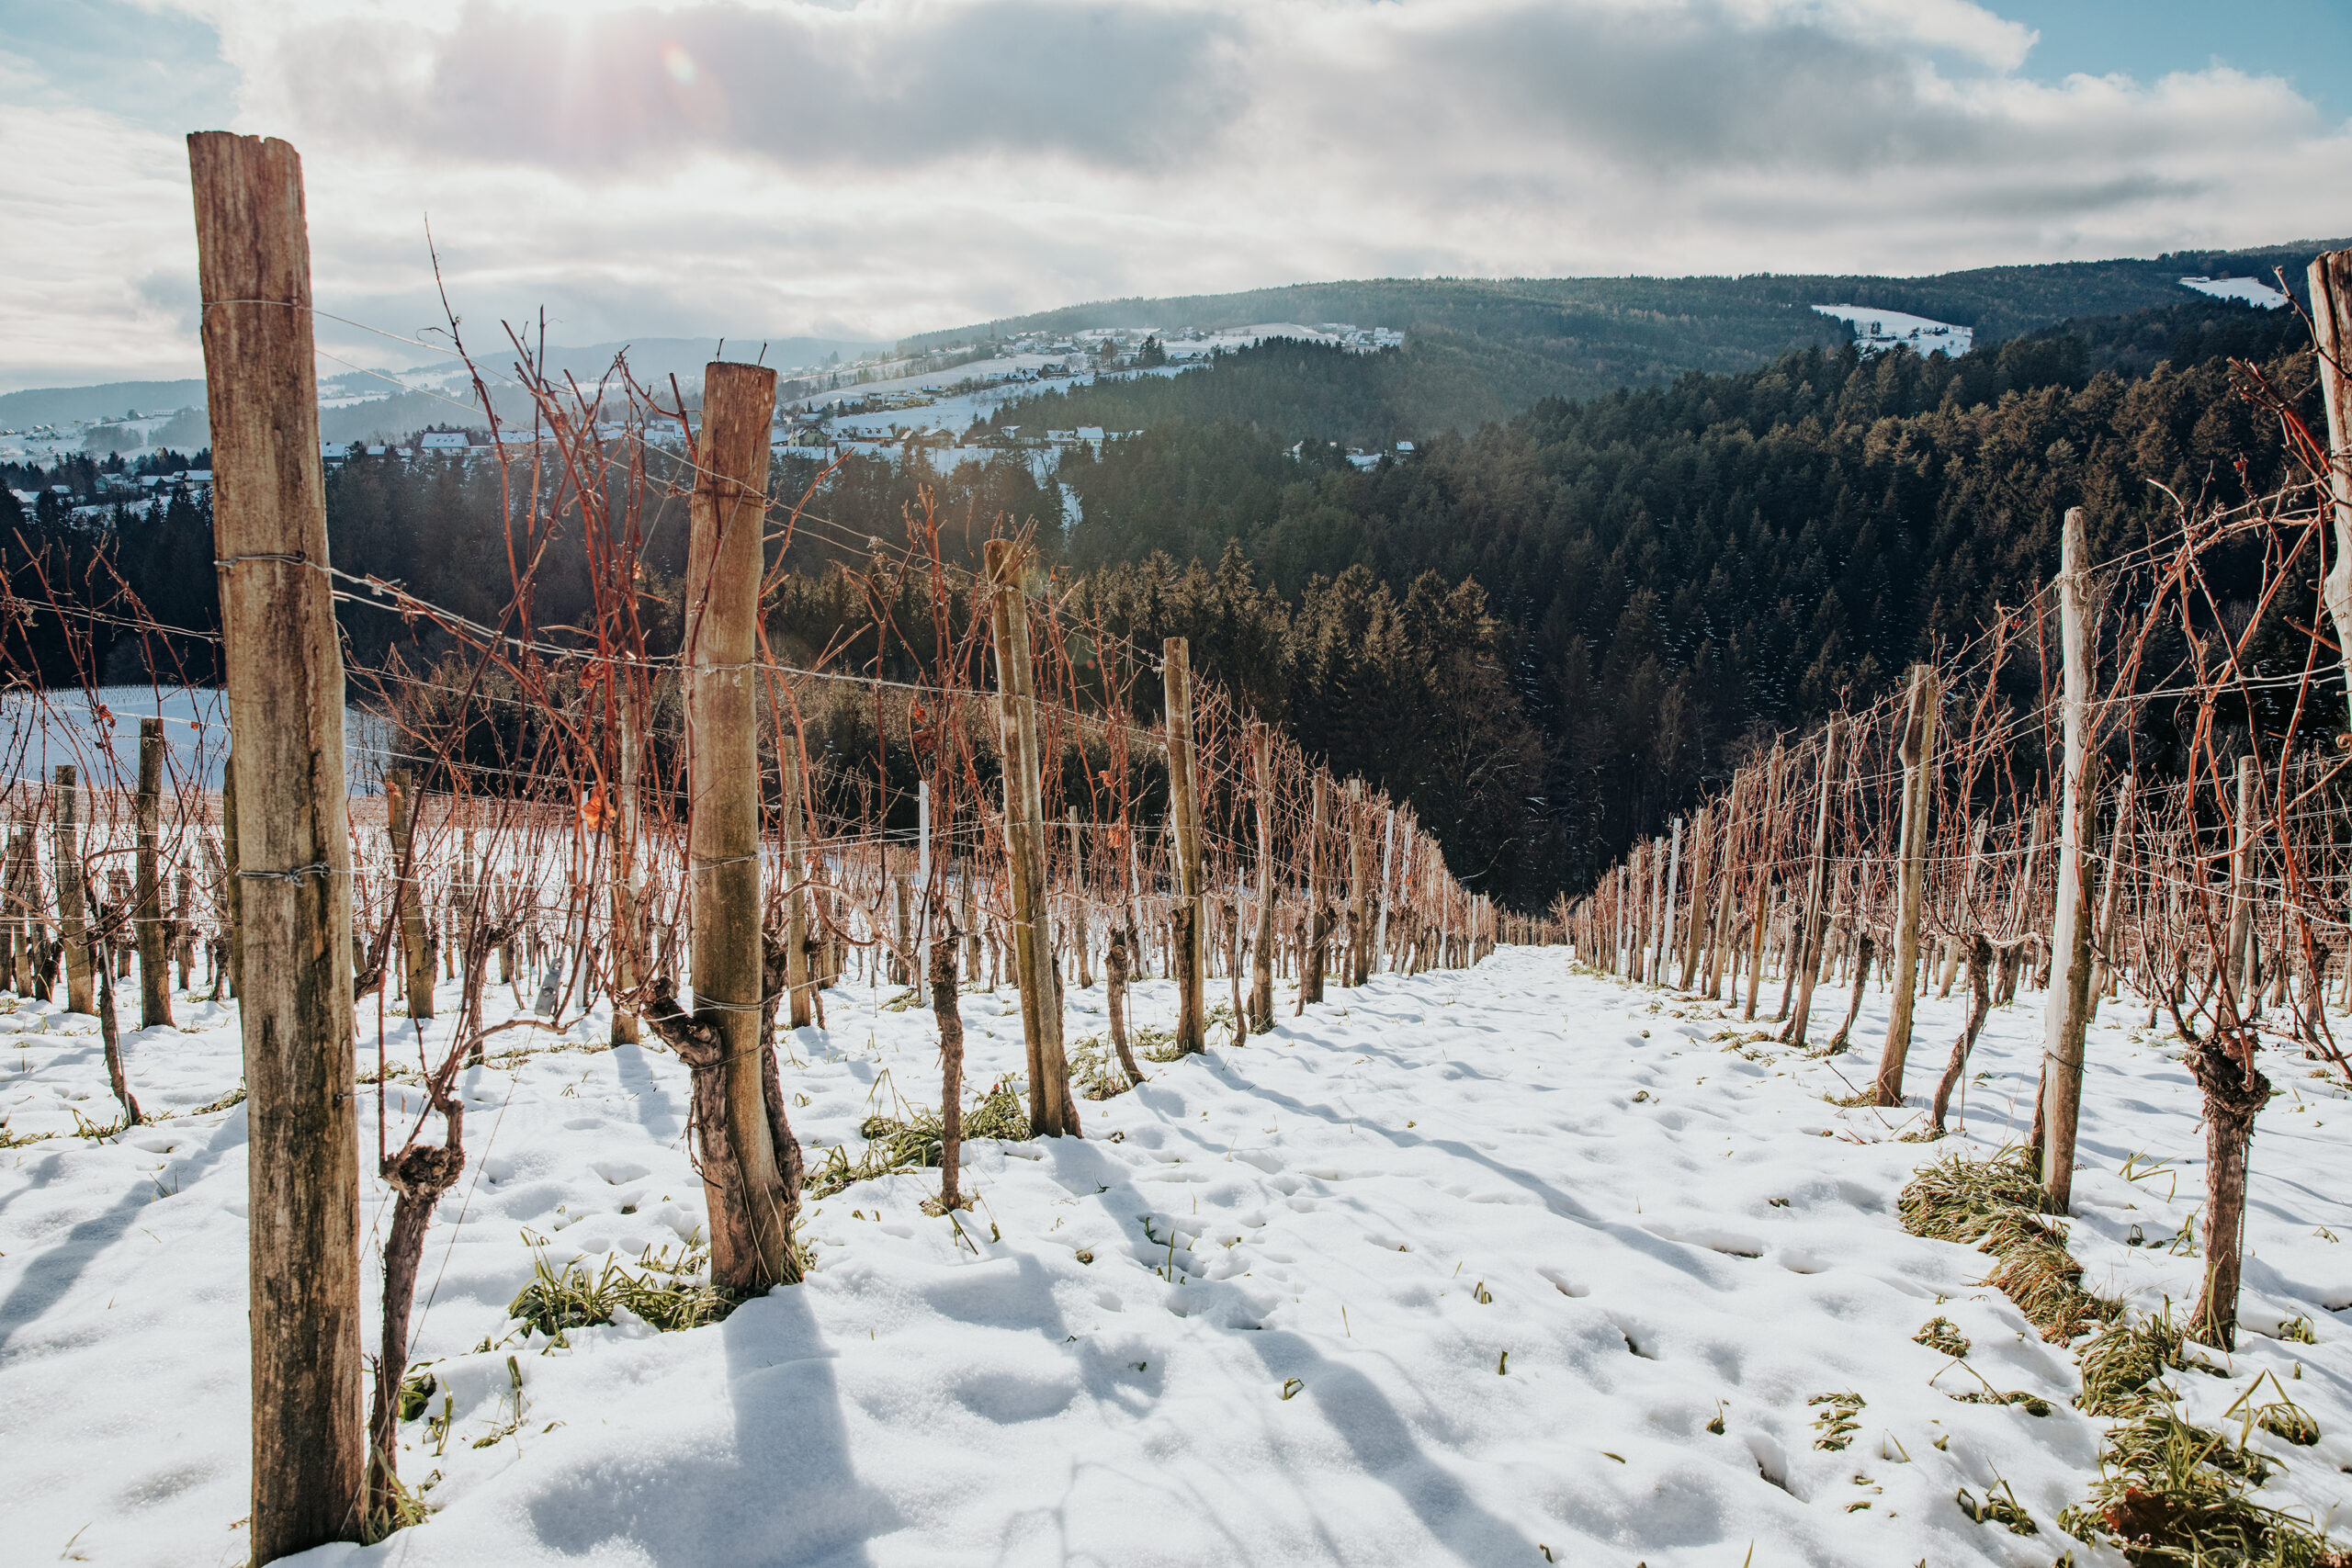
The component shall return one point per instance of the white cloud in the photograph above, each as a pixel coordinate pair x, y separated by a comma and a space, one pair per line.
901, 164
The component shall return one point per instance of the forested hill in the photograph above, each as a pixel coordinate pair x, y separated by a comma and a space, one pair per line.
1663, 576
1320, 392
1493, 346
1549, 633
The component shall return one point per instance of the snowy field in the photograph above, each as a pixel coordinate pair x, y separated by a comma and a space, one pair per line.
2252, 290
955, 415
97, 733
1876, 330
1457, 1269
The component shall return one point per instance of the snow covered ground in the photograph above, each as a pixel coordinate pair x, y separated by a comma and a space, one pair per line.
956, 414
97, 733
1458, 1268
2254, 291
1876, 330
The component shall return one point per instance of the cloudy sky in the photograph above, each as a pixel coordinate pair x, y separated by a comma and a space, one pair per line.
771, 168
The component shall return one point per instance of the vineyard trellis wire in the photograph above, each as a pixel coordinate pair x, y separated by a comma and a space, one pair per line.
521, 811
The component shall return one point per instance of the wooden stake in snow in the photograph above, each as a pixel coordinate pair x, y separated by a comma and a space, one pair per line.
73, 928
796, 887
1319, 899
285, 670
2330, 284
154, 943
1261, 951
1762, 900
628, 935
1052, 1111
1918, 752
1805, 944
416, 942
2068, 1003
2234, 973
1185, 816
751, 1182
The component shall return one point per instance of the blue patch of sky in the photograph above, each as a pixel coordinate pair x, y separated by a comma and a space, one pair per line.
161, 69
2308, 42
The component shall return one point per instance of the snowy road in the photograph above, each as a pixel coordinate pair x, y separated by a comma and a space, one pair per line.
1457, 1268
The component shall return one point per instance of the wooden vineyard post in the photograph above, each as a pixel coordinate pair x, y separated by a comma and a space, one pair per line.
234, 903
284, 676
1702, 831
1387, 863
1919, 753
1723, 963
628, 934
1052, 1112
2331, 285
796, 888
2103, 968
1805, 946
1079, 934
1261, 951
754, 1183
1318, 924
2067, 1010
2235, 962
73, 928
416, 943
1184, 810
1359, 888
154, 976
1662, 970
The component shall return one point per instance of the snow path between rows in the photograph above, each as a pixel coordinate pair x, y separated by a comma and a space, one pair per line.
1380, 1200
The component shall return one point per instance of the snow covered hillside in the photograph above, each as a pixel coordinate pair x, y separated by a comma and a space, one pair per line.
1877, 329
2252, 290
1504, 1266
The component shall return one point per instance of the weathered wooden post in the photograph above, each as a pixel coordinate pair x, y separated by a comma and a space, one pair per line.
72, 918
147, 907
2331, 285
285, 673
796, 887
1261, 951
1079, 934
2110, 895
1351, 812
1919, 753
1052, 1111
2242, 896
629, 931
2068, 1003
233, 904
756, 1184
1185, 811
1805, 948
416, 941
1318, 897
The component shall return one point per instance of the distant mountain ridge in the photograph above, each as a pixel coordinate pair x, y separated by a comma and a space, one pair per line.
1497, 347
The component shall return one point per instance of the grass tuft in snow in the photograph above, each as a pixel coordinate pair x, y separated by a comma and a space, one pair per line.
2122, 1361
668, 1295
1836, 1422
1097, 1074
407, 1507
915, 1142
1999, 1507
1942, 1333
1994, 1205
2170, 1492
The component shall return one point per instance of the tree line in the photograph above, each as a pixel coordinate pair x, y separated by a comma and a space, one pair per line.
1547, 634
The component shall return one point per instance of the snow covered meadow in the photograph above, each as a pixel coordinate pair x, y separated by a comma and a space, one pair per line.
1508, 1265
